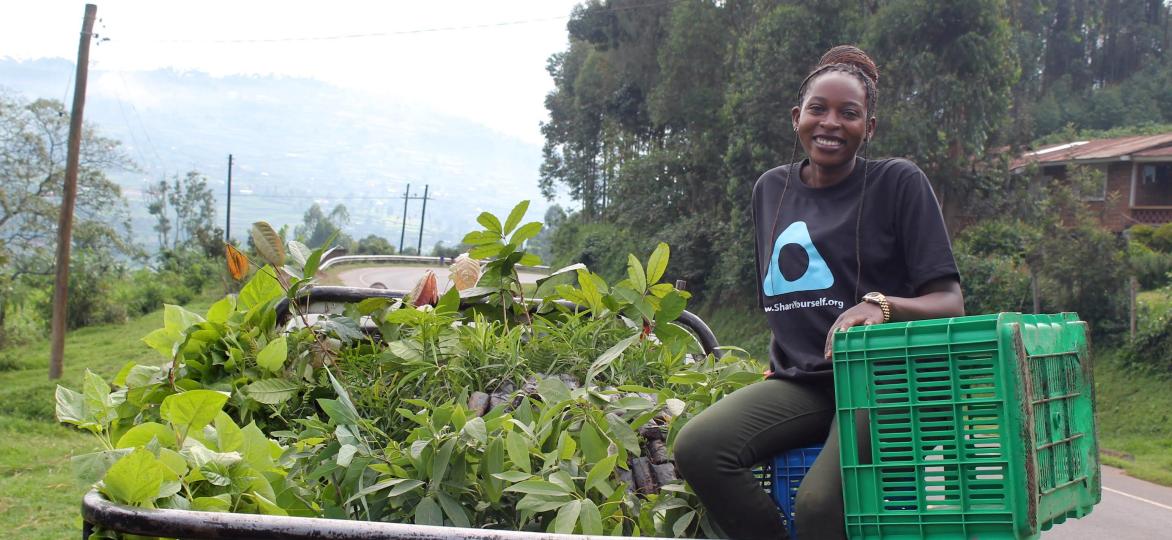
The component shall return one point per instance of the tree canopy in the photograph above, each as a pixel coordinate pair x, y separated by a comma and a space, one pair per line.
664, 114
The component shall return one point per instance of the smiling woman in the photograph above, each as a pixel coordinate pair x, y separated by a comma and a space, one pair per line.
827, 229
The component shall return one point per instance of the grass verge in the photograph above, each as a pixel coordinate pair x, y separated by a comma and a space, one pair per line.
39, 497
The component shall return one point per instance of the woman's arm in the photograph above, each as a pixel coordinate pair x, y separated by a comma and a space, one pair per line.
937, 298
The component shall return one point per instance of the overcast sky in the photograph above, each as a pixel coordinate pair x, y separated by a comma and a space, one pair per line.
483, 60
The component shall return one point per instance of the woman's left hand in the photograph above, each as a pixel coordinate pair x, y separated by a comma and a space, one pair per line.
864, 313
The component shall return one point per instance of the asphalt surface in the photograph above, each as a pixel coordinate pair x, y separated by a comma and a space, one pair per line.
1131, 509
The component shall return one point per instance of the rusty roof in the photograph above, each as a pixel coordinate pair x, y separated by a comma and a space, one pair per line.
1120, 148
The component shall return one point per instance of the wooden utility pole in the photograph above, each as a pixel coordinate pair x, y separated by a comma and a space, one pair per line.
69, 198
228, 214
403, 230
422, 216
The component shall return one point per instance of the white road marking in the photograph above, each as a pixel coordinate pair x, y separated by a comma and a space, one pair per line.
1141, 499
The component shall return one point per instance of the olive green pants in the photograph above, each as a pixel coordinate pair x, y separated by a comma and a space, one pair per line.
717, 449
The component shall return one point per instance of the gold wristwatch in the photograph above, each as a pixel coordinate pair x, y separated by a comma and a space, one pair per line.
880, 300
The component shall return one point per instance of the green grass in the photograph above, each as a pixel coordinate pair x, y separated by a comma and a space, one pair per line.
39, 497
1134, 419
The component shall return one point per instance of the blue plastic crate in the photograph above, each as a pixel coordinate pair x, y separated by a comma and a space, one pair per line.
782, 476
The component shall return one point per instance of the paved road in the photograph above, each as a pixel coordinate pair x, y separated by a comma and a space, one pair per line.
1131, 509
404, 278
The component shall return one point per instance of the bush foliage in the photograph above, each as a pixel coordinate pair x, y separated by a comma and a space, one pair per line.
473, 408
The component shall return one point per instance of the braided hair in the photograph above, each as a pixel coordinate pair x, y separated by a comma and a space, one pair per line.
853, 61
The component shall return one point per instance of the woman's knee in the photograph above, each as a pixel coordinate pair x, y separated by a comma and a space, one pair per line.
697, 447
818, 504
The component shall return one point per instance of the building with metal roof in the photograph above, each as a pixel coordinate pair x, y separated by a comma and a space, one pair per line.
1137, 180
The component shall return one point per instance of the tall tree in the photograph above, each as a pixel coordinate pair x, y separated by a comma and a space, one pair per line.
945, 86
317, 226
185, 213
33, 137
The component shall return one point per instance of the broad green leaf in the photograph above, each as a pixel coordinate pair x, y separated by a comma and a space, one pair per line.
142, 434
299, 253
681, 525
659, 290
541, 503
427, 512
229, 436
222, 309
175, 463
70, 407
268, 243
257, 449
527, 231
453, 510
592, 444
477, 238
590, 518
99, 401
218, 503
272, 391
670, 308
515, 216
144, 376
657, 264
518, 450
266, 506
600, 473
272, 357
439, 465
553, 390
164, 340
404, 487
622, 433
513, 476
563, 480
487, 251
609, 356
192, 410
346, 454
177, 318
134, 479
537, 486
491, 223
567, 517
636, 274
89, 468
475, 428
260, 289
530, 259
338, 412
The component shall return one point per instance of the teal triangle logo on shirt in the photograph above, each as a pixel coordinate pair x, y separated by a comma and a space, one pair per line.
817, 276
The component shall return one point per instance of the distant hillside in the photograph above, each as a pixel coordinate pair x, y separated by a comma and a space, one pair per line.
296, 141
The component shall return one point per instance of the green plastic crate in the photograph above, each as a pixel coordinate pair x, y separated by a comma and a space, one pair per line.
974, 428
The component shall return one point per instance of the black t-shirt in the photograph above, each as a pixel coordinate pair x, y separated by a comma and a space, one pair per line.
806, 266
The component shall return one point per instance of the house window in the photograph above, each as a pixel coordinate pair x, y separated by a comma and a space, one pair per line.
1154, 185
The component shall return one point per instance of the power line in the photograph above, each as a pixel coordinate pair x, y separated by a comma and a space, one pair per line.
366, 35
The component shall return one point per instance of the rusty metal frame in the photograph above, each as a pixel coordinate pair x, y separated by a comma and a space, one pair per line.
192, 524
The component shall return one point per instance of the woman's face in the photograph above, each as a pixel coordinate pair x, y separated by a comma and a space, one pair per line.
832, 122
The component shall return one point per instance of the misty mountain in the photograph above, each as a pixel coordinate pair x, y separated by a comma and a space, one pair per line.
295, 142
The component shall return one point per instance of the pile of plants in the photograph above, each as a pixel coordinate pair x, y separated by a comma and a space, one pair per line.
493, 405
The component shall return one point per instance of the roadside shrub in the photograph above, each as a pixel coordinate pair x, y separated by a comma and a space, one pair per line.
1084, 269
93, 281
1152, 346
993, 283
1152, 268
